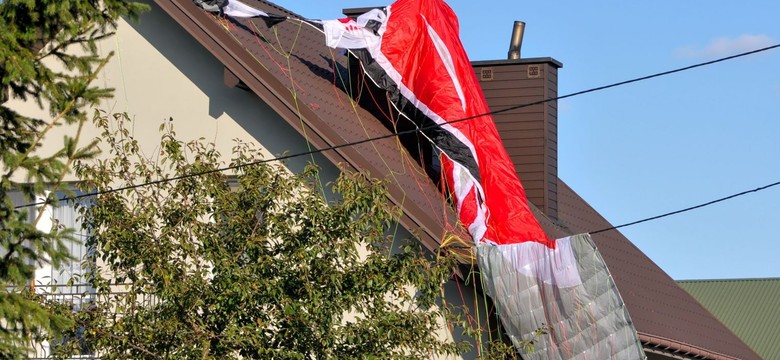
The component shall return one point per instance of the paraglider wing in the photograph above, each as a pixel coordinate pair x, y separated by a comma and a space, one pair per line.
412, 50
420, 52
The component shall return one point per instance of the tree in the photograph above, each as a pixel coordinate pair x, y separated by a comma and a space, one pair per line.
258, 263
48, 55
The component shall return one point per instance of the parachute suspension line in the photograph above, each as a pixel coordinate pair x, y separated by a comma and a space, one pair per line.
364, 75
418, 131
412, 170
295, 40
489, 312
354, 105
472, 313
257, 36
337, 76
396, 228
294, 86
417, 128
260, 36
287, 56
124, 81
456, 243
473, 320
368, 76
355, 112
122, 74
296, 98
262, 40
478, 318
446, 202
415, 171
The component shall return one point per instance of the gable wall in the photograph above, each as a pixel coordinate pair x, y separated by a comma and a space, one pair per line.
160, 72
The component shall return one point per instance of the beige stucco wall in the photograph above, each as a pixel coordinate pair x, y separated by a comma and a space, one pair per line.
160, 72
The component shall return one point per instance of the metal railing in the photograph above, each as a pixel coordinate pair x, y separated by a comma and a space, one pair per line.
79, 296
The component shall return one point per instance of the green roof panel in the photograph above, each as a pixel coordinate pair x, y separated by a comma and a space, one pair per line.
749, 307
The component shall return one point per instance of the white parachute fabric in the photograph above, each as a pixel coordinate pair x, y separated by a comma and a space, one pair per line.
238, 9
347, 33
568, 291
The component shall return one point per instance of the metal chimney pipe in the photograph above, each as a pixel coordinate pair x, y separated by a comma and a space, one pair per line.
517, 40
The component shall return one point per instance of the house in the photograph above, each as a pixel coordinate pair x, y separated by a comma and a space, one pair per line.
284, 89
746, 306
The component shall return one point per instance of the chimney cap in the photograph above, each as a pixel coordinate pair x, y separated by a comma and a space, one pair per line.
540, 60
516, 42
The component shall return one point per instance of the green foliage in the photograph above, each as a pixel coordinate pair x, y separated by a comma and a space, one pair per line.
48, 55
254, 264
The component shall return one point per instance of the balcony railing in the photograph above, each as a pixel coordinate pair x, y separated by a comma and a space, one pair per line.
79, 296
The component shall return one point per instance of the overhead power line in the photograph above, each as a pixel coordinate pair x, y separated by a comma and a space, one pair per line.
713, 202
510, 108
626, 82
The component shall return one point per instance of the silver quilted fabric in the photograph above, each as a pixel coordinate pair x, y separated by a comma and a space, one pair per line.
567, 291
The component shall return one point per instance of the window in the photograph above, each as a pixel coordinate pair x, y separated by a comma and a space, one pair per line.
64, 283
66, 215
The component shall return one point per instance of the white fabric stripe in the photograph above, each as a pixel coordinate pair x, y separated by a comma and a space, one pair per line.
463, 183
347, 36
446, 58
552, 266
236, 8
383, 62
374, 14
353, 34
478, 228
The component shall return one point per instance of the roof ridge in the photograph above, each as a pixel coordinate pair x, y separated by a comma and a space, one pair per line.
281, 8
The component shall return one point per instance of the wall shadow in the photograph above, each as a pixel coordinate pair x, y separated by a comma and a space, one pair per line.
244, 107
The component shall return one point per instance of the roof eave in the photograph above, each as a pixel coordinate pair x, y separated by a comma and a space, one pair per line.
669, 347
265, 85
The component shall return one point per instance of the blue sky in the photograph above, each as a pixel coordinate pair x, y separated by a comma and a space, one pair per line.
660, 145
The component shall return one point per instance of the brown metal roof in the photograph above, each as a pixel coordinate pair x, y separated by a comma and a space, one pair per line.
296, 58
665, 315
271, 62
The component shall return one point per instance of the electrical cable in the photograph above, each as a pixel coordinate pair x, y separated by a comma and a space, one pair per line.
687, 209
664, 73
515, 107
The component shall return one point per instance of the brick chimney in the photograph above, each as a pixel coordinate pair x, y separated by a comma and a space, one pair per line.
530, 134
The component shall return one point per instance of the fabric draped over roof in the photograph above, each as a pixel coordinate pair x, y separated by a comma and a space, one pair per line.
661, 311
413, 49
